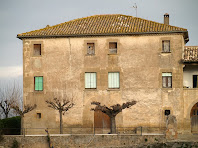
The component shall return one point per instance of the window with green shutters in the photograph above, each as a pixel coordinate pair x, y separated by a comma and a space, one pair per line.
38, 83
114, 80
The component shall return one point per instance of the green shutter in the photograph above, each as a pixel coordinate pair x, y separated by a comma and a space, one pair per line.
39, 83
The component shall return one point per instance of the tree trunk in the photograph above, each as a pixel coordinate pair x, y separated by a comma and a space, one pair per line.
113, 125
6, 115
61, 122
22, 128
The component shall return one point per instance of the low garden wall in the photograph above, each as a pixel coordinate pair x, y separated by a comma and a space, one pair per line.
62, 141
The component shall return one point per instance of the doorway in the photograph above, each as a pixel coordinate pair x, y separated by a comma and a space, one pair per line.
194, 118
102, 122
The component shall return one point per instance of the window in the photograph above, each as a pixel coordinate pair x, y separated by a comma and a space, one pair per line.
38, 83
90, 48
90, 80
37, 49
195, 81
113, 47
167, 80
38, 115
166, 46
167, 112
113, 80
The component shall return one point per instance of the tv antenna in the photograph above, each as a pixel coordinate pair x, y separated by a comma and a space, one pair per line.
135, 6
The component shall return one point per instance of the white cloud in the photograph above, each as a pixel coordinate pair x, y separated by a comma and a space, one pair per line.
11, 72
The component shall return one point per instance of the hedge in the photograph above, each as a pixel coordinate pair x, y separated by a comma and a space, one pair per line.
11, 126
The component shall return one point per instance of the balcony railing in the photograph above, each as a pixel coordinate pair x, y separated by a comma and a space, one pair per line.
190, 54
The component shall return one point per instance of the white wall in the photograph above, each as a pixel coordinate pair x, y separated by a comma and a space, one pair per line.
189, 71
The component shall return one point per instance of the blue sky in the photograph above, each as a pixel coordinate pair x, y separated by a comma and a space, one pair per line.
18, 16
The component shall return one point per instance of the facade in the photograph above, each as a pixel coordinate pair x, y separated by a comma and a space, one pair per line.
111, 59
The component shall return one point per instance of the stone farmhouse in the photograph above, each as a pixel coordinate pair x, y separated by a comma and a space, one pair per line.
111, 59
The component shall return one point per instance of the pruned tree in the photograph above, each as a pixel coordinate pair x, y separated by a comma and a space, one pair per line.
27, 108
9, 95
112, 111
62, 107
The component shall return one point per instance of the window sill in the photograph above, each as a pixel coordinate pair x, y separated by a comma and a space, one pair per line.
166, 52
90, 54
166, 88
112, 54
90, 89
38, 92
113, 89
36, 56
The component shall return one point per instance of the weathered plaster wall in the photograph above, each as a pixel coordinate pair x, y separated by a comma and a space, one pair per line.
190, 99
140, 62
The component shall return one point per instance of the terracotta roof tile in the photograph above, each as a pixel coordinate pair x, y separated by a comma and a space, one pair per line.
103, 24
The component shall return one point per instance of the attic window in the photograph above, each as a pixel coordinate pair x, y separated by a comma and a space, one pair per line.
113, 47
90, 49
166, 46
37, 49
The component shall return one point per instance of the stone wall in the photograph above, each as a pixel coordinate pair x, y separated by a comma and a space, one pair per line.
82, 141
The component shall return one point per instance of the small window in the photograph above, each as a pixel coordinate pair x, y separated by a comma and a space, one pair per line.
113, 80
37, 49
113, 47
90, 80
90, 48
195, 81
167, 112
167, 80
38, 115
166, 46
38, 83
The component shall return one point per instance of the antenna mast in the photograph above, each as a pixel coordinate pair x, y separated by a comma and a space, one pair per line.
135, 8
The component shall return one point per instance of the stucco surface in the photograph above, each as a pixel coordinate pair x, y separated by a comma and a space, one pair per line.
140, 62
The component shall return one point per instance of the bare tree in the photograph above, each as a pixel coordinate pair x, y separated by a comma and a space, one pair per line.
27, 108
62, 107
10, 95
112, 111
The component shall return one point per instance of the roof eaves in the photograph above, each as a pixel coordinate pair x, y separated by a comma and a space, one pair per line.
107, 34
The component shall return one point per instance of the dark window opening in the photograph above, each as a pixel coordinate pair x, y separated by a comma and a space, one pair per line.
39, 115
90, 48
166, 46
113, 47
195, 81
167, 112
37, 49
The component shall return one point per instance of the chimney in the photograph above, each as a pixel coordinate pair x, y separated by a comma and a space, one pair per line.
166, 18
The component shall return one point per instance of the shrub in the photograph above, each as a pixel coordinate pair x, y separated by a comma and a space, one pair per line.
11, 126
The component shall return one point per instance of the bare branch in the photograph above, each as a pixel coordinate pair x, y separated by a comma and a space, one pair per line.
27, 108
60, 106
114, 109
